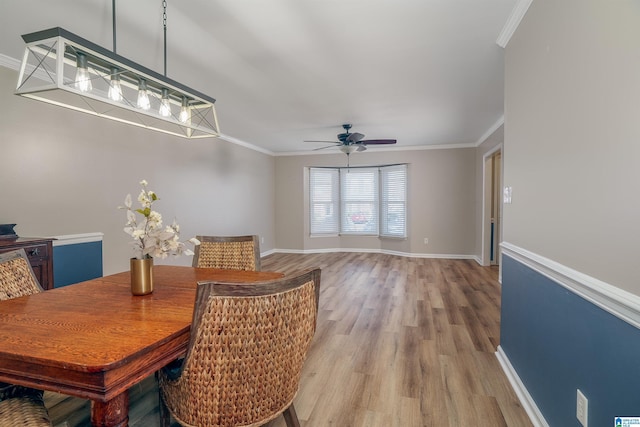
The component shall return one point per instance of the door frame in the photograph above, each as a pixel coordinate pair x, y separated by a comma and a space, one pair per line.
487, 189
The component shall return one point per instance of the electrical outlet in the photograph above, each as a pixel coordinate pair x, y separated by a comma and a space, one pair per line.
582, 408
262, 240
426, 240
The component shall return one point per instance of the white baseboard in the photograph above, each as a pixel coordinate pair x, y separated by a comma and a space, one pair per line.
375, 251
526, 400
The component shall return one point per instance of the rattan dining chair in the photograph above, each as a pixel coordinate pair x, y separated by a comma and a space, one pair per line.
247, 347
22, 406
19, 406
228, 252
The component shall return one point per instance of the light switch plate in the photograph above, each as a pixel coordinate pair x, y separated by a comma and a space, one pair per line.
506, 199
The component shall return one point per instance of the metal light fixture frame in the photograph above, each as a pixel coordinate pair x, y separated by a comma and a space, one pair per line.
47, 74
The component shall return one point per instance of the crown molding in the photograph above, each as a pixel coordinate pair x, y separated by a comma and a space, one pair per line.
377, 149
9, 62
513, 21
490, 131
245, 144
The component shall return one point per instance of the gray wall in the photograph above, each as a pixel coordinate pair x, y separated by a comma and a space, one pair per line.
441, 202
572, 137
64, 172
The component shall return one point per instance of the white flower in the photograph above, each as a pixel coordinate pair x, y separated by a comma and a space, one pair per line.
150, 238
138, 234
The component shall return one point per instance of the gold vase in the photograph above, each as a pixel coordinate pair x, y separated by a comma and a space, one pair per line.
141, 276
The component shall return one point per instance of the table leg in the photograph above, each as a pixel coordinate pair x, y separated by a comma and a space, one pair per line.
113, 413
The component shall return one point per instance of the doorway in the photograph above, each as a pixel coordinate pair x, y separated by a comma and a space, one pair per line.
492, 207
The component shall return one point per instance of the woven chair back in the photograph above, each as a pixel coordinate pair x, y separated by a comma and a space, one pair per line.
228, 252
16, 276
19, 406
247, 348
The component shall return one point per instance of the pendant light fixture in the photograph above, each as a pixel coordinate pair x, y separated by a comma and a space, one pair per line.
115, 90
61, 68
83, 80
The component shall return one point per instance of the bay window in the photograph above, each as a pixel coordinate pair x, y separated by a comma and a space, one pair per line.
359, 201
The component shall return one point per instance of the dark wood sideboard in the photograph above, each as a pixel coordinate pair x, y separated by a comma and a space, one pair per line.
40, 254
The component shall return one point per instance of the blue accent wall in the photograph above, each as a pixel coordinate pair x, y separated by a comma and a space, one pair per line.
558, 342
76, 263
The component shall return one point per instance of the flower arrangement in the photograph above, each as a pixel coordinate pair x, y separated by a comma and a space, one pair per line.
150, 238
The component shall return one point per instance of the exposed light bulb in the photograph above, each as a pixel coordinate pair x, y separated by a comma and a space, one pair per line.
165, 107
115, 90
83, 80
184, 110
143, 95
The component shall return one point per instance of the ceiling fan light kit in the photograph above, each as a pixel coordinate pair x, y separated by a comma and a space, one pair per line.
61, 68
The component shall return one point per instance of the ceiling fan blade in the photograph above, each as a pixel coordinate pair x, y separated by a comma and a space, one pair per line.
328, 146
361, 147
378, 141
324, 142
354, 137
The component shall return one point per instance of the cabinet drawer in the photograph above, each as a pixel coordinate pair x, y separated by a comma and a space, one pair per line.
37, 252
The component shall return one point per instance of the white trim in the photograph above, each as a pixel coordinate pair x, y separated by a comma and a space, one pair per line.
245, 144
377, 149
9, 62
618, 302
267, 253
490, 131
526, 400
374, 251
73, 239
513, 21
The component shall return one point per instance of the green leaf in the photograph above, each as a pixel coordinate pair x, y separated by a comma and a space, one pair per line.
145, 211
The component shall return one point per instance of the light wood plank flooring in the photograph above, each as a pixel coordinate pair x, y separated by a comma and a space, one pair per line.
399, 342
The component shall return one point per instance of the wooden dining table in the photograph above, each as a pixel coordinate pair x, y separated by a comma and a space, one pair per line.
95, 339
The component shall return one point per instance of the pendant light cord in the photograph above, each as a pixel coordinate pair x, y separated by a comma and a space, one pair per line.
113, 19
164, 25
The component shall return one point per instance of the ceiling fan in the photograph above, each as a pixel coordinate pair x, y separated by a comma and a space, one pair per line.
348, 142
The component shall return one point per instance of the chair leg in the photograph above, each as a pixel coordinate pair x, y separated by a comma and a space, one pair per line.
165, 415
290, 417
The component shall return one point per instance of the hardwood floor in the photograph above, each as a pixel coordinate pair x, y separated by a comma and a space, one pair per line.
399, 342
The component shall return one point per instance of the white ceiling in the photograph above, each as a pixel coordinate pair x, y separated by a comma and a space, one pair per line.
425, 72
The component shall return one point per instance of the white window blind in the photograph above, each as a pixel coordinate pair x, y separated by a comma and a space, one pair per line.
359, 201
324, 197
393, 206
365, 201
